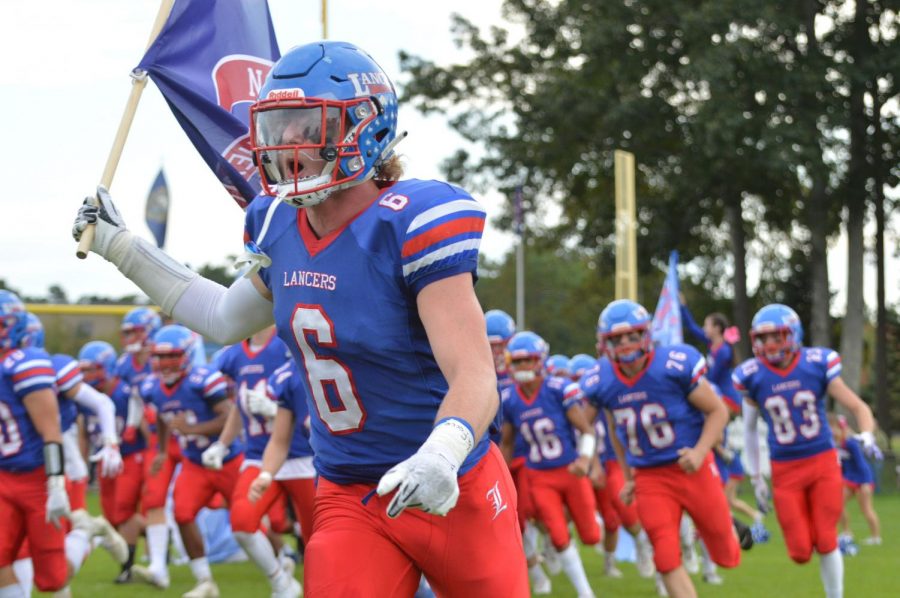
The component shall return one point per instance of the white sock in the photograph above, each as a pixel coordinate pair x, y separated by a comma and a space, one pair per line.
200, 569
709, 567
571, 564
530, 540
536, 573
259, 549
24, 570
12, 591
158, 546
78, 546
686, 530
831, 569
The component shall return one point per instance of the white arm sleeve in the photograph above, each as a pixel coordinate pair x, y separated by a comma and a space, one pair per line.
90, 398
751, 438
225, 315
135, 409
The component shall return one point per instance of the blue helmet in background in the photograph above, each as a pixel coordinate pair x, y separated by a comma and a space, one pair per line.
328, 102
557, 365
13, 320
97, 360
171, 354
34, 332
579, 364
530, 346
776, 317
620, 317
500, 325
140, 321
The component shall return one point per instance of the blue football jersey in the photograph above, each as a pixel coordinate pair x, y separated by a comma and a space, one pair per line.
195, 395
120, 395
792, 400
854, 467
653, 416
250, 371
68, 376
605, 450
286, 387
541, 420
345, 305
22, 372
129, 371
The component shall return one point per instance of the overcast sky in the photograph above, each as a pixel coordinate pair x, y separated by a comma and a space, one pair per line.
63, 86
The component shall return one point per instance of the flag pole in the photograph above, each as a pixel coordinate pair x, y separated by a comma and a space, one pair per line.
520, 263
138, 82
324, 19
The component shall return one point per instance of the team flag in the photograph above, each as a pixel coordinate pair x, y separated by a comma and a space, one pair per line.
157, 211
666, 326
209, 61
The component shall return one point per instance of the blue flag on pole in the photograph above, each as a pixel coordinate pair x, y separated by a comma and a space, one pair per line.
666, 326
157, 211
209, 61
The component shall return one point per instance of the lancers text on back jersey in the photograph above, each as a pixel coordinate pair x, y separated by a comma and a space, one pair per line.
345, 305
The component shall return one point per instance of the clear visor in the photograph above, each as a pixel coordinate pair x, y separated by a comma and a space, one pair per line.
292, 140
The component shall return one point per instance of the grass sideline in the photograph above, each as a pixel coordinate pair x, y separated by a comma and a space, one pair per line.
765, 569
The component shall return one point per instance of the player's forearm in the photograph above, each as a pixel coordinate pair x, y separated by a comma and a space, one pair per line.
751, 437
279, 444
43, 410
475, 404
90, 398
212, 427
713, 426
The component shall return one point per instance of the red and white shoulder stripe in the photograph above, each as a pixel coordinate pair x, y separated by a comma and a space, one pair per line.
31, 375
450, 231
214, 384
68, 376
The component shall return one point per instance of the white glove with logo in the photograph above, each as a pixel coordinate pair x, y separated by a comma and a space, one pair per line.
57, 500
260, 404
761, 492
428, 479
101, 212
110, 459
214, 456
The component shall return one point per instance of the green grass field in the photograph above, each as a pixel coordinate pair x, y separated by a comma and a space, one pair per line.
765, 569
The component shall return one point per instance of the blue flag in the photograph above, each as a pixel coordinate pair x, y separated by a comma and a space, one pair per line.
157, 211
666, 326
209, 61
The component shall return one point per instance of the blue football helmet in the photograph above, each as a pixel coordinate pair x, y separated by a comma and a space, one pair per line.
526, 345
620, 317
326, 108
500, 325
13, 320
97, 360
557, 365
579, 364
172, 352
34, 332
138, 327
776, 317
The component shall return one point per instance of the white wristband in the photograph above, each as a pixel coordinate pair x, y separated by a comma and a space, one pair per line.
264, 475
452, 438
587, 446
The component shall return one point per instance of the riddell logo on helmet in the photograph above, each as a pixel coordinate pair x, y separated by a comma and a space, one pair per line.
367, 84
286, 94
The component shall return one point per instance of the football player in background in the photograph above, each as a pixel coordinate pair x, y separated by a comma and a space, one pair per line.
547, 412
370, 283
667, 418
787, 384
249, 364
859, 481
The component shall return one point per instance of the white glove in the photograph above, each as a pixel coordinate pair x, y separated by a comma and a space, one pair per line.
110, 460
108, 222
213, 456
761, 492
867, 440
57, 500
428, 479
260, 404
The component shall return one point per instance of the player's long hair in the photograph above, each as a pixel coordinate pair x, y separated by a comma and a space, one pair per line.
389, 172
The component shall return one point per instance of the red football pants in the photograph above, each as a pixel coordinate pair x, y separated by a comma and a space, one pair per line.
523, 490
245, 515
23, 499
357, 551
612, 509
554, 490
808, 500
664, 493
196, 486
